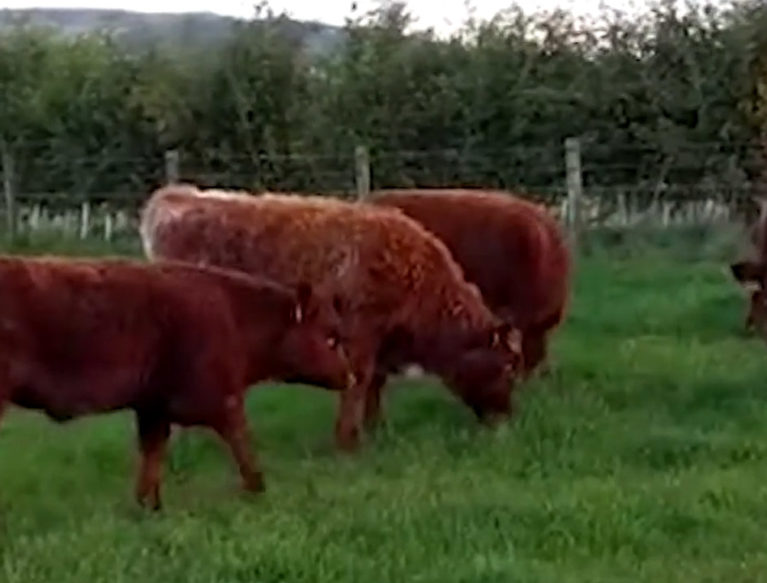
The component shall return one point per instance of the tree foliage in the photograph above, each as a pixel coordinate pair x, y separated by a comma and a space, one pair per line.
672, 101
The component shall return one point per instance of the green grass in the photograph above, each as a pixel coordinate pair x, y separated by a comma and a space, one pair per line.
643, 457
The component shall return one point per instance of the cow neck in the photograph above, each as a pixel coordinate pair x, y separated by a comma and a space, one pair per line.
265, 352
261, 324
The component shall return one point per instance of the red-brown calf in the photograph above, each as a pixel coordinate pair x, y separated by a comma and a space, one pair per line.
511, 248
748, 273
406, 299
178, 344
752, 275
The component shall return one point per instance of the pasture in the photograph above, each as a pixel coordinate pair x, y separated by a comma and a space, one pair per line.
642, 457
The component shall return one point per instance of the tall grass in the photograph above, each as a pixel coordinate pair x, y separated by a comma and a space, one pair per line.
642, 457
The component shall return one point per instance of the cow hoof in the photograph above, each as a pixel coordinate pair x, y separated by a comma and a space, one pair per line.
500, 433
495, 420
373, 424
255, 486
348, 447
150, 505
348, 441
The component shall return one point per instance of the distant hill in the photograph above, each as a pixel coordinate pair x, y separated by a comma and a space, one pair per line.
137, 29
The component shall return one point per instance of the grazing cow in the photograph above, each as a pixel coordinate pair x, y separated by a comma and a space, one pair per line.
178, 344
511, 248
405, 298
749, 272
752, 275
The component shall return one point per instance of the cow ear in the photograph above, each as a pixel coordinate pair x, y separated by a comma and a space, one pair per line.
304, 295
748, 272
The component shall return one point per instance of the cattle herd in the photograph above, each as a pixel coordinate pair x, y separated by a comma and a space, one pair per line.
242, 288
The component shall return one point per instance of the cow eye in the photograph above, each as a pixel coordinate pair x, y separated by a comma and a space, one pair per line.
332, 341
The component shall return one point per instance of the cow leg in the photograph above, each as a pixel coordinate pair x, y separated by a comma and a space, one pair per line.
4, 397
233, 429
748, 326
350, 416
533, 350
751, 315
5, 388
351, 409
154, 432
373, 411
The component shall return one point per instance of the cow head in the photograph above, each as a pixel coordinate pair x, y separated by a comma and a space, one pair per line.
751, 275
484, 371
312, 350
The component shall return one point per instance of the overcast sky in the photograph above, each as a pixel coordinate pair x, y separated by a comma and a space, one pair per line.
443, 15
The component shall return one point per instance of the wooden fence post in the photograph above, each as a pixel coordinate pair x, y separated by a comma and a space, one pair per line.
34, 217
108, 226
362, 165
623, 209
70, 222
574, 187
171, 166
666, 216
10, 206
85, 219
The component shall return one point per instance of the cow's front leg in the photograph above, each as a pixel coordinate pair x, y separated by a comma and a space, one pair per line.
154, 432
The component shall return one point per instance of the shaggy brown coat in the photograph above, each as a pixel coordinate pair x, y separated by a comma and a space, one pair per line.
511, 248
405, 297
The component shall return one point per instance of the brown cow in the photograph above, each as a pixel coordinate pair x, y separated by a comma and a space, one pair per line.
511, 248
174, 342
749, 273
406, 299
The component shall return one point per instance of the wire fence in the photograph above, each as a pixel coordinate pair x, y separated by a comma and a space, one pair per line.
689, 183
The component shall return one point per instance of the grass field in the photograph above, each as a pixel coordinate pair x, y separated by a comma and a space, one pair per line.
643, 457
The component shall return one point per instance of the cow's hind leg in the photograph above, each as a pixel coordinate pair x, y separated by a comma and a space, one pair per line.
351, 407
373, 409
154, 432
3, 396
351, 410
233, 429
5, 387
534, 351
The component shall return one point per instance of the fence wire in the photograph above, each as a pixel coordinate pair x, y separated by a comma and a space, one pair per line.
692, 182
